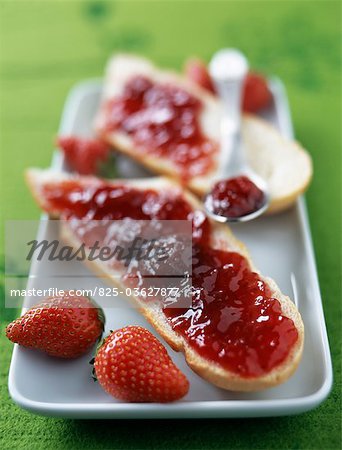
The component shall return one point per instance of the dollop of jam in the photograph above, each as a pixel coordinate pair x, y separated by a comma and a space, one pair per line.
163, 120
235, 197
233, 321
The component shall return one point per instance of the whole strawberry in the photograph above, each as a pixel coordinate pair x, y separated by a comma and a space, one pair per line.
65, 327
133, 365
256, 94
86, 156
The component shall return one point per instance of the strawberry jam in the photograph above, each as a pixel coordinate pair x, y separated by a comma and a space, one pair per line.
235, 197
163, 120
103, 201
233, 320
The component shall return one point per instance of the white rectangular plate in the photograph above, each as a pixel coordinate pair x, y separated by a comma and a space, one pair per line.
281, 248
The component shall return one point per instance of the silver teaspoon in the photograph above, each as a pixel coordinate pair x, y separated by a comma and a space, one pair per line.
239, 194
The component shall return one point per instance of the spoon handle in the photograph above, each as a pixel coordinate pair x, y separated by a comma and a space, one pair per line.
228, 69
230, 93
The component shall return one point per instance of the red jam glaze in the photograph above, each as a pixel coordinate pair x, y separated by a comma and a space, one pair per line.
163, 120
233, 320
103, 201
235, 197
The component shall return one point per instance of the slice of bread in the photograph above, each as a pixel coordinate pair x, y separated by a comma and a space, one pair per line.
221, 238
284, 164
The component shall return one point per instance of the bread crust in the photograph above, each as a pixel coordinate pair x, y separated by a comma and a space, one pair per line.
222, 238
284, 164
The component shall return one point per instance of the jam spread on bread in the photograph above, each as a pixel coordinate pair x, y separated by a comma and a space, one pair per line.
103, 201
235, 197
234, 321
163, 120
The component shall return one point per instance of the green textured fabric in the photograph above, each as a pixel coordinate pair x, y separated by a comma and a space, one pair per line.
47, 47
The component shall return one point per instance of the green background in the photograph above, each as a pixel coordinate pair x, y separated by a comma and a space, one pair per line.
47, 47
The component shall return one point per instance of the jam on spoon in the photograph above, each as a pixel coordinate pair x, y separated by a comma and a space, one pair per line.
235, 197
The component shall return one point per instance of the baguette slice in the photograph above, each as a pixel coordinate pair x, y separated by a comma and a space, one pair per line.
221, 238
284, 164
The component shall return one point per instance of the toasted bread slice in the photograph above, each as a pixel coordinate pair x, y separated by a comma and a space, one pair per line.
221, 238
284, 164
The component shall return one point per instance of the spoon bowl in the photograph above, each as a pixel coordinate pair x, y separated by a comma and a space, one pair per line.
259, 183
